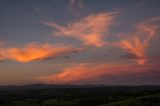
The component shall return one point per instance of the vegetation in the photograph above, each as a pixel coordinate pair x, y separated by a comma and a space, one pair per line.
82, 96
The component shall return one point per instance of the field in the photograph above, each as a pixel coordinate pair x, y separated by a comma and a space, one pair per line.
44, 95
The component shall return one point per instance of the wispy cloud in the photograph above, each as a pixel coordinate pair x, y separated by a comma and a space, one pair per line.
89, 30
140, 40
35, 52
135, 47
81, 73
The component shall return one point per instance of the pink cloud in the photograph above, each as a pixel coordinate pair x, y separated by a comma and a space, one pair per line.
90, 30
140, 40
90, 72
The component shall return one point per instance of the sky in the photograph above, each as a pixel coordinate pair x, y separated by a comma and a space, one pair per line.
112, 42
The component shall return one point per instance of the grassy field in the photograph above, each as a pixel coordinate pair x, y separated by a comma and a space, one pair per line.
149, 100
82, 96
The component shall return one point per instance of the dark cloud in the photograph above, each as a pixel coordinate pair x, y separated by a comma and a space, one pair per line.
130, 56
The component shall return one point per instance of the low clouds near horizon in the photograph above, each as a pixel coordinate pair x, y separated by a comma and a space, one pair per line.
91, 73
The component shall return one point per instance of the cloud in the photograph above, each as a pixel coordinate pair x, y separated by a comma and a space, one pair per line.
135, 47
137, 44
82, 73
130, 56
90, 30
76, 73
35, 52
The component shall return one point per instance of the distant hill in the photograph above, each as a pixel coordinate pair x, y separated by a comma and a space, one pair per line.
51, 86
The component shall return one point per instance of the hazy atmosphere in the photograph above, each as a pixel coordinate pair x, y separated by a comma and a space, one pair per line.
112, 42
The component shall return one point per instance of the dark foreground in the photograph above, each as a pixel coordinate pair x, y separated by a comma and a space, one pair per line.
54, 95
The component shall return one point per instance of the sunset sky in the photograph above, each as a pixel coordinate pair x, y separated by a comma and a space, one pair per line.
112, 42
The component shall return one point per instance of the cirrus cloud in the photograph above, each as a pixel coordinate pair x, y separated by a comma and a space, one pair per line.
138, 43
90, 30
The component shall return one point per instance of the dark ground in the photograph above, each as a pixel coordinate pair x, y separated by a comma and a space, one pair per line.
79, 95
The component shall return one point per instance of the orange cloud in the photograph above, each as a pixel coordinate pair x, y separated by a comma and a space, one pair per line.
138, 44
34, 51
89, 30
89, 72
135, 47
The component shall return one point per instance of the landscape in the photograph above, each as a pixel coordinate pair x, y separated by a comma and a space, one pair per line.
79, 52
79, 95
